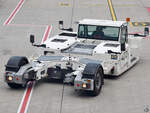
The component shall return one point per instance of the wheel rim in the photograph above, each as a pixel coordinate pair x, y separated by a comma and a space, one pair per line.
98, 81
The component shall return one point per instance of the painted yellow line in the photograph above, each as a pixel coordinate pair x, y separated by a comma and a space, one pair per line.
112, 10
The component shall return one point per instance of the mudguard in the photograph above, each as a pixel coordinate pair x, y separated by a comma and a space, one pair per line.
15, 62
90, 70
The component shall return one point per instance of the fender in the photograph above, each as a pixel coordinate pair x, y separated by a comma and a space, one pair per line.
90, 70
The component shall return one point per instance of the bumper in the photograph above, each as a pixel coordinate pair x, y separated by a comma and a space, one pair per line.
84, 84
14, 79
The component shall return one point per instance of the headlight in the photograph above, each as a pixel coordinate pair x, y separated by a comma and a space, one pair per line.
84, 85
10, 78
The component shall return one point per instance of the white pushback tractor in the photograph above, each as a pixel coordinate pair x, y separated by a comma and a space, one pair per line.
100, 47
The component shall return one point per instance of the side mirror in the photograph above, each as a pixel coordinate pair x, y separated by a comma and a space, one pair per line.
61, 27
70, 29
146, 31
123, 46
32, 39
61, 24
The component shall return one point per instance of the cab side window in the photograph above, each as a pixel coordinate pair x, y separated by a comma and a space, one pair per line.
81, 31
123, 38
91, 29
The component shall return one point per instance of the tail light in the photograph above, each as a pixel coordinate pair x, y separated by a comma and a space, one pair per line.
78, 85
17, 78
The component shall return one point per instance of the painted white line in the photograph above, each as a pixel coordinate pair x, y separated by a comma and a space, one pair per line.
26, 98
46, 34
15, 11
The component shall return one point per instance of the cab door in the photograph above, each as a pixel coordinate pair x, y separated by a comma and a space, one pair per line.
124, 60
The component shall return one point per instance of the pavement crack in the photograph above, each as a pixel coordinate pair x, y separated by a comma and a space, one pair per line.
62, 97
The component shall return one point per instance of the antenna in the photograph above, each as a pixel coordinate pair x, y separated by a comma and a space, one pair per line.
72, 13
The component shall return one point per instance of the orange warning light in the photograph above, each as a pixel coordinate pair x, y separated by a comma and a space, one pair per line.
127, 19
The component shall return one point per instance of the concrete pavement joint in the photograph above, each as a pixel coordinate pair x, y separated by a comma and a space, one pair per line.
125, 5
27, 25
93, 5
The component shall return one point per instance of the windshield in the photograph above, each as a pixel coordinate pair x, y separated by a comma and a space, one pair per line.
98, 32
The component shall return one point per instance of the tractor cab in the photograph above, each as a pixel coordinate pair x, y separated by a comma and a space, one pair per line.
104, 30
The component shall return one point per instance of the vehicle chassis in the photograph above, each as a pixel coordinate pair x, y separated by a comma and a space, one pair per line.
83, 70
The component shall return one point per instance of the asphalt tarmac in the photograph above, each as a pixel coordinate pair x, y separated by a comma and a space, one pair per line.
129, 93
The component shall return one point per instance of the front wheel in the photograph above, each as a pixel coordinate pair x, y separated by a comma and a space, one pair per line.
14, 86
13, 65
98, 82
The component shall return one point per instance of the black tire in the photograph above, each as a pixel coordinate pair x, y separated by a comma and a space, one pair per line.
14, 86
98, 82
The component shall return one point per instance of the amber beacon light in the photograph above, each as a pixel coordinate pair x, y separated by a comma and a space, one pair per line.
127, 19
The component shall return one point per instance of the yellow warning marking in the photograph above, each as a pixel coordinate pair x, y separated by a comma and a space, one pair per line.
136, 24
143, 24
112, 10
131, 23
64, 4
